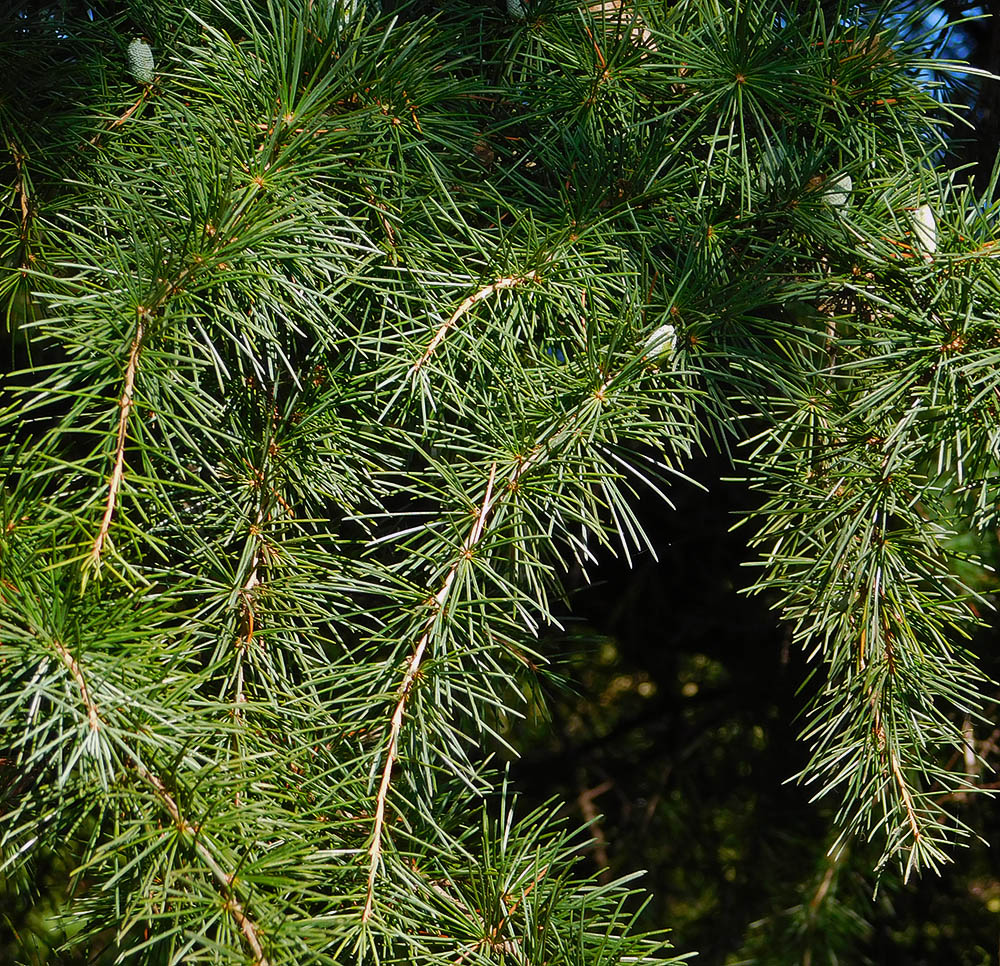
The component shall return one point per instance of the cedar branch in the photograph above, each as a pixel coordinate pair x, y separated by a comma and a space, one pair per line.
224, 881
145, 313
71, 663
121, 119
405, 687
897, 772
509, 281
585, 802
22, 189
490, 500
491, 937
907, 796
118, 470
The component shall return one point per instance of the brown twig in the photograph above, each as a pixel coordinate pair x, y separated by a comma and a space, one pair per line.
816, 902
224, 881
122, 118
124, 407
904, 790
824, 886
145, 313
253, 579
490, 500
897, 772
244, 642
883, 744
383, 218
22, 190
585, 802
491, 937
509, 281
405, 687
93, 716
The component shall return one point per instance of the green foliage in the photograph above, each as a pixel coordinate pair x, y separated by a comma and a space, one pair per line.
343, 335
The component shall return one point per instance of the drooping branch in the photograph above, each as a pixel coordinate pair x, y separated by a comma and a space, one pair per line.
493, 494
509, 281
492, 937
122, 118
224, 881
263, 514
406, 686
145, 314
585, 802
906, 796
71, 663
21, 190
246, 595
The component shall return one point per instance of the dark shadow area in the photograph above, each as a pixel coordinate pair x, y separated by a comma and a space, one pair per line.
677, 737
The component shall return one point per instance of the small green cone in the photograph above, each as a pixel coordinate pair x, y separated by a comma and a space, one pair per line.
140, 61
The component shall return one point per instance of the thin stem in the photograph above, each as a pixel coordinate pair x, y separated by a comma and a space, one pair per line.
224, 880
491, 937
22, 189
510, 281
93, 716
897, 772
118, 470
246, 593
585, 802
145, 314
121, 119
245, 641
904, 790
405, 687
833, 863
490, 500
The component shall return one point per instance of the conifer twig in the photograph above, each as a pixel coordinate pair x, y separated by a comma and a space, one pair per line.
145, 314
122, 118
491, 936
508, 281
906, 794
73, 666
824, 886
490, 500
897, 773
21, 189
585, 801
403, 694
118, 470
223, 880
246, 593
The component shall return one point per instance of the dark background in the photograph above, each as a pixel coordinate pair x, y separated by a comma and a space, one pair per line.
678, 734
